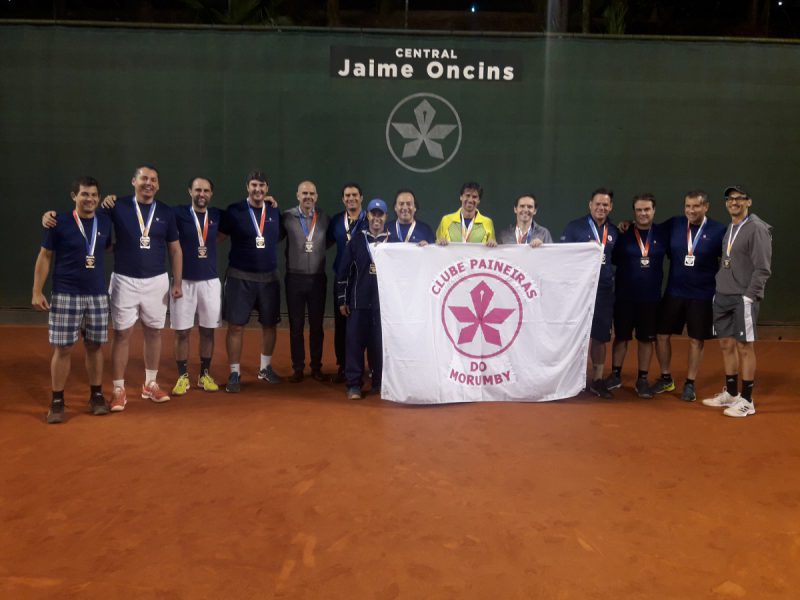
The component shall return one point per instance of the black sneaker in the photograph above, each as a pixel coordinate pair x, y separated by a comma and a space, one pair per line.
269, 375
613, 382
56, 413
688, 393
233, 386
97, 404
598, 388
295, 377
318, 375
643, 389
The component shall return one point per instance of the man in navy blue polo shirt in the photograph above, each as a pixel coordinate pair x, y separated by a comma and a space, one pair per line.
695, 247
145, 232
596, 227
357, 300
251, 281
79, 301
639, 258
406, 228
341, 228
198, 225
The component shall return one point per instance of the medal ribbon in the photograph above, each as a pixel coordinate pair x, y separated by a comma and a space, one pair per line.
304, 225
378, 240
410, 231
355, 223
597, 235
144, 229
644, 248
465, 231
524, 238
89, 245
732, 237
259, 227
202, 234
691, 244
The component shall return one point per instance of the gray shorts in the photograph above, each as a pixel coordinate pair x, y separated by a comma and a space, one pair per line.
733, 318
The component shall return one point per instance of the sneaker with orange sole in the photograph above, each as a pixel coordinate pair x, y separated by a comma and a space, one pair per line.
118, 400
151, 391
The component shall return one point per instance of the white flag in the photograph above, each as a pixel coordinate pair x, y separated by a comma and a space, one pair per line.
467, 323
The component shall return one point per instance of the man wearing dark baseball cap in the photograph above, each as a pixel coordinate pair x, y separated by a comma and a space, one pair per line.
740, 283
357, 299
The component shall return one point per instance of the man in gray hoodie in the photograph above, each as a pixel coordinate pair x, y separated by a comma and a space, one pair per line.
740, 283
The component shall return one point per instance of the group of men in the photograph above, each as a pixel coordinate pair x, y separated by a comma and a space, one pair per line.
146, 231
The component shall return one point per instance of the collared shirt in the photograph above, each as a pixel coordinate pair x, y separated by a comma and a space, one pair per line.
244, 255
70, 275
194, 267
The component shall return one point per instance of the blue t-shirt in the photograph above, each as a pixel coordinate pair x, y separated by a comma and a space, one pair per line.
338, 234
398, 232
129, 258
636, 283
70, 275
238, 224
194, 267
696, 282
579, 230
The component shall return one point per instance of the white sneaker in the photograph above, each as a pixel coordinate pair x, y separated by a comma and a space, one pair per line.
723, 399
742, 408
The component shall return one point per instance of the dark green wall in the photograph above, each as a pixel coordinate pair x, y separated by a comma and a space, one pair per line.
634, 114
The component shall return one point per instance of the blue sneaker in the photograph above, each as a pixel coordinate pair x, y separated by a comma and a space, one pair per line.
269, 375
234, 385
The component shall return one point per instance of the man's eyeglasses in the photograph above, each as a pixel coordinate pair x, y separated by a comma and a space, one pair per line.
736, 198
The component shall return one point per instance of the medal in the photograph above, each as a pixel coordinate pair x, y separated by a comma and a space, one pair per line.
258, 225
372, 269
202, 233
144, 241
603, 259
348, 226
691, 244
408, 235
309, 246
644, 261
89, 245
466, 231
380, 238
524, 238
726, 262
597, 237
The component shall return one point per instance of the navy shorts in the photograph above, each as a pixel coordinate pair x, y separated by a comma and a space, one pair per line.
72, 313
603, 312
641, 316
696, 315
241, 297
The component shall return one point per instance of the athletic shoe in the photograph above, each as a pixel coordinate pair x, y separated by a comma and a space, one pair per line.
354, 393
206, 383
688, 393
721, 400
295, 377
598, 388
319, 376
56, 413
234, 385
613, 382
269, 375
741, 408
97, 404
643, 389
151, 391
119, 398
182, 386
663, 385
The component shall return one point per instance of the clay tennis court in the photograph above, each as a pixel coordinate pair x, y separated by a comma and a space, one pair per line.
291, 491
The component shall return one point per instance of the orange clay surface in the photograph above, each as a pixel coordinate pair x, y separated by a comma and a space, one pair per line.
291, 491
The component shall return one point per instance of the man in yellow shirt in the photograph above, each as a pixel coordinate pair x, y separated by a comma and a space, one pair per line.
467, 224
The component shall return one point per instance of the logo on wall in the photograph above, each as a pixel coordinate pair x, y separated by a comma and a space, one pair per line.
423, 132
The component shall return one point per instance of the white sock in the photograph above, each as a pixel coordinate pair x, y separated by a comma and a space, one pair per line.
235, 368
118, 383
150, 375
265, 360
